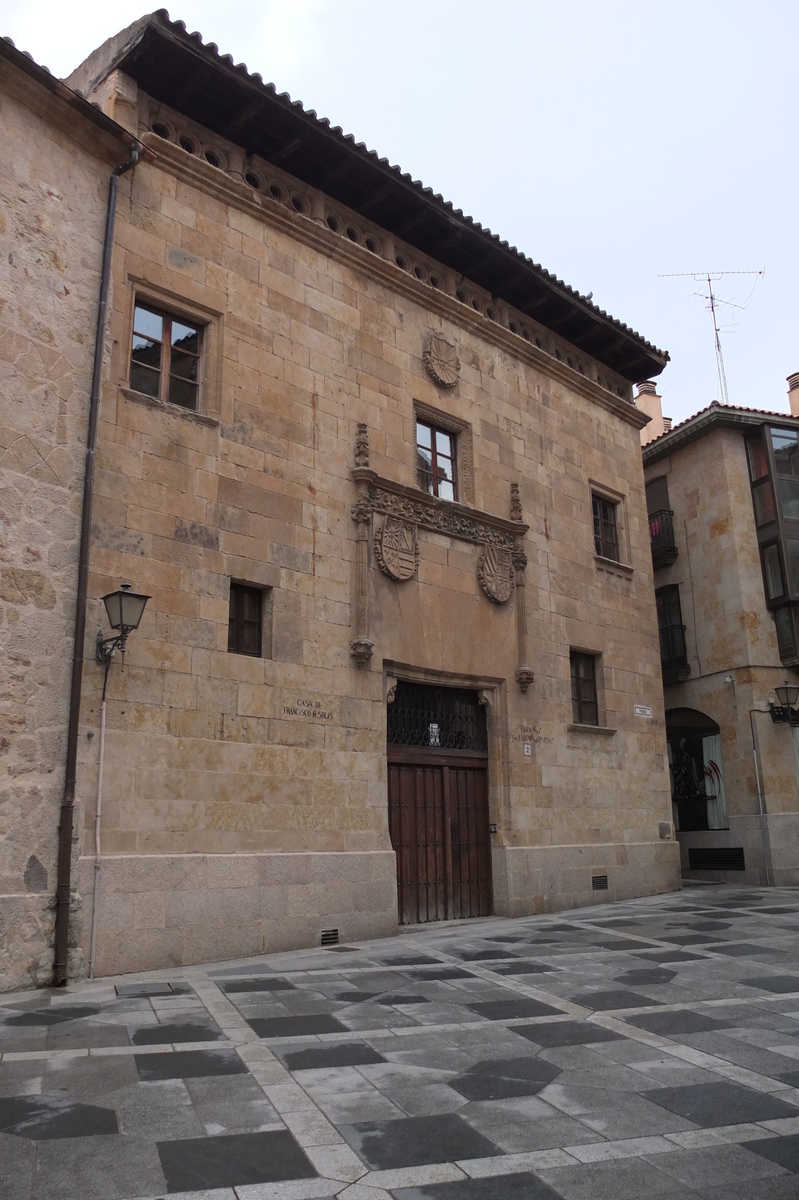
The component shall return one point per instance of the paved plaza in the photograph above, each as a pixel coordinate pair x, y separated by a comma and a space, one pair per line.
642, 1049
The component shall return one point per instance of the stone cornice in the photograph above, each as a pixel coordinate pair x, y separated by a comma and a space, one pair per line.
440, 516
196, 172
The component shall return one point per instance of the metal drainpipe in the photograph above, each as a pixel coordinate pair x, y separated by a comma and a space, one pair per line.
63, 888
760, 798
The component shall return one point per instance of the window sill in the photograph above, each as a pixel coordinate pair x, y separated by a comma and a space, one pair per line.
616, 568
603, 729
174, 409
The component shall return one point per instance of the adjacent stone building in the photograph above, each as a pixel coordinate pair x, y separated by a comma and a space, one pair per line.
59, 151
380, 476
723, 503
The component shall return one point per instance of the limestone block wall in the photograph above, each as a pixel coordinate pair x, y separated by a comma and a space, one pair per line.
52, 208
275, 767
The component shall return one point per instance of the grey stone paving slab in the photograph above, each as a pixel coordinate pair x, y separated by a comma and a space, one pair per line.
503, 1010
257, 985
295, 1026
722, 1103
565, 1033
385, 1145
682, 1021
186, 1064
781, 1150
712, 1166
773, 983
504, 1078
524, 1186
44, 1118
627, 1179
613, 999
230, 1160
170, 1033
345, 1054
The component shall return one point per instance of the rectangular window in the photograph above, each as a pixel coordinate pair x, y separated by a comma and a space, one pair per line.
786, 452
435, 461
585, 709
245, 621
165, 357
772, 569
606, 534
673, 653
758, 462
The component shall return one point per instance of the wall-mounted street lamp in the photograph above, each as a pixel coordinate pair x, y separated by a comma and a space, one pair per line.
785, 710
125, 610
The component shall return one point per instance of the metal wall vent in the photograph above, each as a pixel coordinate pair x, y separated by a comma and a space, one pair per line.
716, 858
329, 937
599, 883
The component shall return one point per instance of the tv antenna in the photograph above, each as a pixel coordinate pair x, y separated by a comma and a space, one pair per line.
711, 277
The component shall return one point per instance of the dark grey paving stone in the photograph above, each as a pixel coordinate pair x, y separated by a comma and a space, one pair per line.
737, 950
53, 1016
415, 1141
687, 939
524, 1186
270, 1027
712, 1166
503, 1010
246, 969
789, 1077
504, 1079
189, 1064
343, 949
773, 983
708, 926
672, 956
344, 1054
438, 973
482, 955
709, 1104
684, 1021
356, 997
229, 1160
43, 1118
605, 1001
257, 985
178, 1031
781, 1150
774, 908
647, 975
566, 1033
522, 968
408, 960
402, 998
624, 1179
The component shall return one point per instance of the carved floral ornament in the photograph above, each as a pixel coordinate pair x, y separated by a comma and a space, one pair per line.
441, 360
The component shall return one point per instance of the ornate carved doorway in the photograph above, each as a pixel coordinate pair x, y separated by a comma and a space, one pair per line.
438, 803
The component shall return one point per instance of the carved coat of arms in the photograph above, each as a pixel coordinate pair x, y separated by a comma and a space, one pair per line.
441, 360
396, 549
495, 573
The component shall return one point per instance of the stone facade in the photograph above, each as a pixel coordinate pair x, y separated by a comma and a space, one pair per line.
731, 651
52, 211
244, 797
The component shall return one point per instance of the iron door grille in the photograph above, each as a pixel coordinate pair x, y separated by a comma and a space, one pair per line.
437, 718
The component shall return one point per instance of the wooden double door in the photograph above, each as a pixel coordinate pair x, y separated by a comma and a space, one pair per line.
438, 821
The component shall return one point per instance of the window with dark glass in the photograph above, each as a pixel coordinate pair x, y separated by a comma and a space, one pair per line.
673, 653
165, 357
245, 621
606, 532
435, 461
773, 458
772, 570
585, 709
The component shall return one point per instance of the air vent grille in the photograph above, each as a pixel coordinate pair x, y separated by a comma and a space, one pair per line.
716, 858
329, 937
599, 883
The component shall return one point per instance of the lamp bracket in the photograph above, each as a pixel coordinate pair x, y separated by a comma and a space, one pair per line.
783, 714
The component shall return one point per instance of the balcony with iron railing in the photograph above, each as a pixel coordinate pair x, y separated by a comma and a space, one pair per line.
673, 654
661, 538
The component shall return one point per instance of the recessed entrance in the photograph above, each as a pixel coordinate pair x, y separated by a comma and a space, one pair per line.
438, 803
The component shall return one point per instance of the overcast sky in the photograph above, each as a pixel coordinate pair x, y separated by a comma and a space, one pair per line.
613, 142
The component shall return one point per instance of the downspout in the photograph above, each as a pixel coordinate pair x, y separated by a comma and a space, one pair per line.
63, 888
761, 804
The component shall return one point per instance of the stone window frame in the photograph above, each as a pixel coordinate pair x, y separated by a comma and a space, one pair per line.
464, 447
599, 693
602, 492
265, 594
144, 291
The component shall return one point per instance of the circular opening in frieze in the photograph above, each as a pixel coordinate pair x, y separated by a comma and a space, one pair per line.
558, 354
353, 234
570, 361
528, 337
476, 305
372, 245
513, 327
401, 262
252, 179
581, 368
213, 158
435, 281
187, 144
419, 272
620, 392
491, 313
333, 223
276, 192
160, 130
299, 203
539, 343
462, 296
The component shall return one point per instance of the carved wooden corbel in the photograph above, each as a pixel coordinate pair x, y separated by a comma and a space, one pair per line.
361, 646
524, 675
